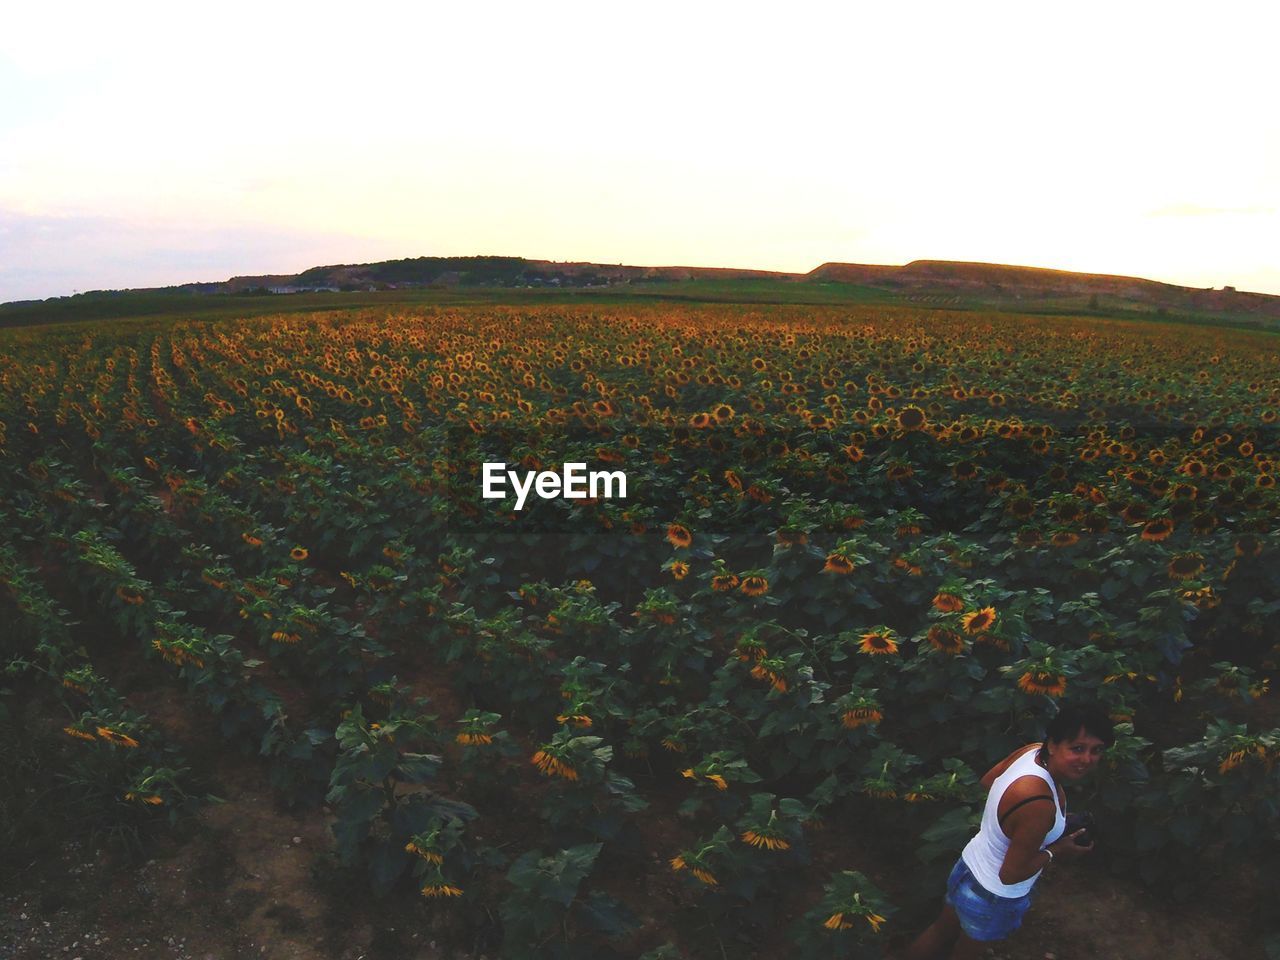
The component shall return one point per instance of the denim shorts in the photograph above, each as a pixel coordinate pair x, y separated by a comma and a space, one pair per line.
983, 914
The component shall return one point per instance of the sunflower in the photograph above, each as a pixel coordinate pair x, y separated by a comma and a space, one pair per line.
679, 569
944, 640
298, 553
1248, 545
120, 739
1186, 565
908, 567
1135, 512
1065, 538
1042, 681
474, 739
838, 564
878, 641
856, 717
441, 890
755, 586
1204, 598
1097, 522
724, 582
1157, 529
130, 595
765, 840
1028, 537
553, 767
978, 620
153, 799
965, 470
1022, 508
776, 680
837, 922
1204, 524
991, 640
425, 853
947, 602
911, 418
792, 538
679, 536
251, 540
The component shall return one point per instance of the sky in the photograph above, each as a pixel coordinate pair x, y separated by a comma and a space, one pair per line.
144, 144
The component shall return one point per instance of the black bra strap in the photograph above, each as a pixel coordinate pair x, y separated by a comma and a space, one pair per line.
1039, 796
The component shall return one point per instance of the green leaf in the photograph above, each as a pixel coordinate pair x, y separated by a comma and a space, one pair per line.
418, 767
386, 864
607, 915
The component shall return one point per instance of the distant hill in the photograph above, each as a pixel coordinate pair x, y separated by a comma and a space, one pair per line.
483, 271
1020, 287
929, 283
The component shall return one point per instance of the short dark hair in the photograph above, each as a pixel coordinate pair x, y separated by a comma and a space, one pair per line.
1073, 717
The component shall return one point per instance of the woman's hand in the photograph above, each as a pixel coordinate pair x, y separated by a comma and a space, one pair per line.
1066, 848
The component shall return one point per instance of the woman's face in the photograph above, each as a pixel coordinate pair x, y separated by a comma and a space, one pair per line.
1073, 758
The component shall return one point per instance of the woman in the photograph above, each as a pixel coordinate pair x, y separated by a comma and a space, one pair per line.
1022, 833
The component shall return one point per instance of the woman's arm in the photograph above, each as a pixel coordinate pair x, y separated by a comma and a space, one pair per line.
1027, 826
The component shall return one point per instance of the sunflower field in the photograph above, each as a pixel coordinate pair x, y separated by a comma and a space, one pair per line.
862, 555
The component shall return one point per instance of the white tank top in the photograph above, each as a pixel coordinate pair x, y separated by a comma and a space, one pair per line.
984, 854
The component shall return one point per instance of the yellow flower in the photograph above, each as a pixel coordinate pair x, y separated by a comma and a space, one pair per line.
679, 536
948, 602
764, 840
1231, 761
553, 767
839, 564
878, 642
859, 716
120, 739
1039, 681
441, 890
978, 620
706, 876
724, 582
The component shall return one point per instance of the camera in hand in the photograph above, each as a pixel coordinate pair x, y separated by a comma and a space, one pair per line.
1077, 821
